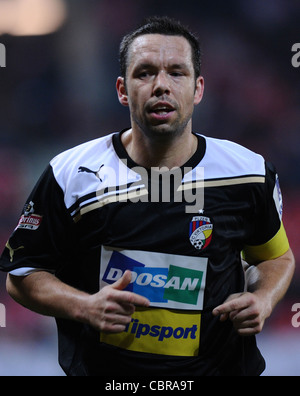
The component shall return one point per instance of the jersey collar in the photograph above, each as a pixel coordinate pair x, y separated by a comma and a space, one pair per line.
191, 163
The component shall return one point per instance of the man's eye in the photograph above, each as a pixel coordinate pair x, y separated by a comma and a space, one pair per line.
144, 74
176, 74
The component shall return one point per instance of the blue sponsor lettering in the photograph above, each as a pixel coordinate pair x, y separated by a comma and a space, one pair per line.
161, 332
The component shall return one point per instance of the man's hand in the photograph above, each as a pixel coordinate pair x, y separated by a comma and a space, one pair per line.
247, 311
111, 308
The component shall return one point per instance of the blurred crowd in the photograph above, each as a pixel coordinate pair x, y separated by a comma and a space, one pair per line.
58, 90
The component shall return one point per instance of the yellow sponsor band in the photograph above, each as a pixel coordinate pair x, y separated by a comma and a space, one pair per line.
159, 331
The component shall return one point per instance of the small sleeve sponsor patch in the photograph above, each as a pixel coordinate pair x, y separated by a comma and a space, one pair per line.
30, 222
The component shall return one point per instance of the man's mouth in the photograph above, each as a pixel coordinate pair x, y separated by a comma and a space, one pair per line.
162, 106
161, 109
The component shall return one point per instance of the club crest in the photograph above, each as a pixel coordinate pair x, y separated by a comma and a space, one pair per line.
200, 232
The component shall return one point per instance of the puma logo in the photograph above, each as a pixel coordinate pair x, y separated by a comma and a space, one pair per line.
12, 251
87, 170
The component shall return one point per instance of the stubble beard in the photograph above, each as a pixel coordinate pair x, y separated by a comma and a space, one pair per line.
163, 132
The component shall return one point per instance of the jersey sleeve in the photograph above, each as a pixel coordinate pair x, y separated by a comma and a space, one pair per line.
269, 239
44, 237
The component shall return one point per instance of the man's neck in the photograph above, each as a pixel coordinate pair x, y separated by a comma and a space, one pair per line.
160, 153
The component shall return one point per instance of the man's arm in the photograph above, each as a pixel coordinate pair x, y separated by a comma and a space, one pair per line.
248, 311
109, 310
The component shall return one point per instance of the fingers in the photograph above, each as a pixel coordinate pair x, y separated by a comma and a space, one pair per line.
116, 320
123, 282
126, 296
117, 305
244, 311
233, 303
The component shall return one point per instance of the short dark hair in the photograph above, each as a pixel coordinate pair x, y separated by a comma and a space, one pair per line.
165, 26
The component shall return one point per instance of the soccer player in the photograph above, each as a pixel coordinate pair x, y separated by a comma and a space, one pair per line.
134, 241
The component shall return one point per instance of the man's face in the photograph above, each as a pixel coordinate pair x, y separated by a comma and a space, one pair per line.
160, 90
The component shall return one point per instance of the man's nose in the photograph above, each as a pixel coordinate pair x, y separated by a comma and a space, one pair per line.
161, 84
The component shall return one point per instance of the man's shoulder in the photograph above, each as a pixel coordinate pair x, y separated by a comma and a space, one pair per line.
87, 152
84, 149
85, 157
225, 158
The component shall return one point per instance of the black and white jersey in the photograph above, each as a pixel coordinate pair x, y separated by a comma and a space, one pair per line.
95, 213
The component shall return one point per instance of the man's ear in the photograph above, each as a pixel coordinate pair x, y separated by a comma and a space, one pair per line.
121, 90
199, 90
